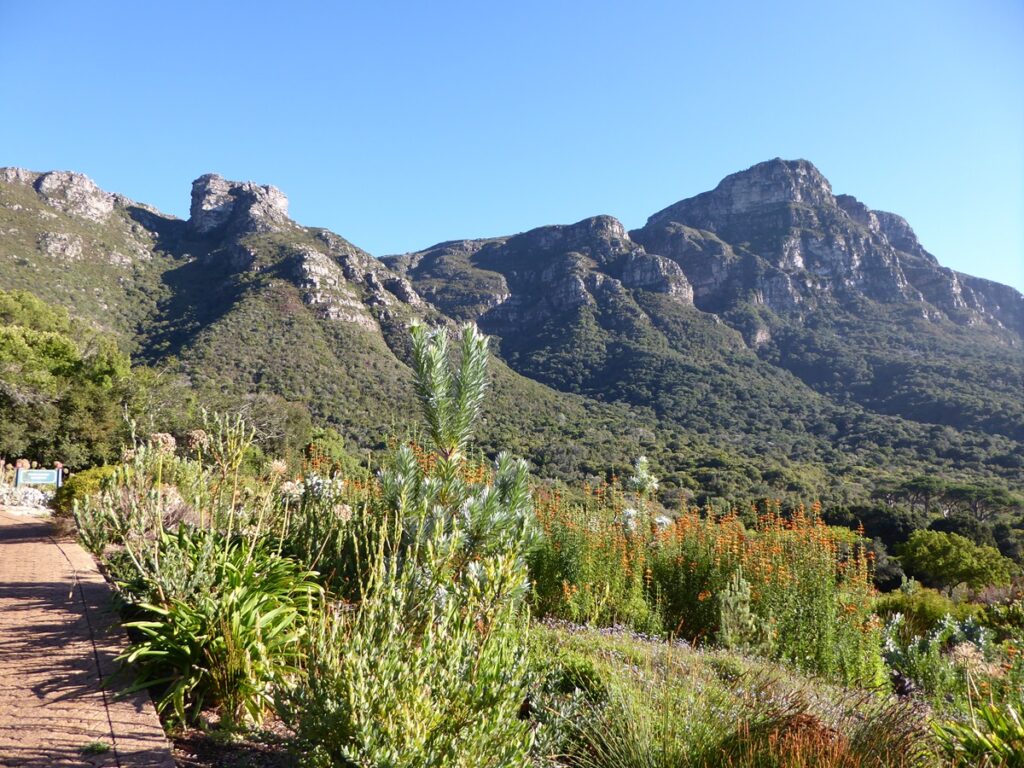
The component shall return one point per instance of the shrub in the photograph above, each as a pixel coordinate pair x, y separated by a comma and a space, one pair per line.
944, 560
994, 737
852, 730
430, 667
672, 731
806, 581
190, 545
81, 486
738, 627
418, 674
230, 644
943, 661
591, 562
922, 609
1005, 619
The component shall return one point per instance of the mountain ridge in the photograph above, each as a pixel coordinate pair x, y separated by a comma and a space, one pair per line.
768, 315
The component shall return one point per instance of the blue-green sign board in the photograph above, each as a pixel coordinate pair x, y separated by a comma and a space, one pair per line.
37, 477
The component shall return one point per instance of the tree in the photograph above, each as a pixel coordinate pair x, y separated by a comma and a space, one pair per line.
917, 492
967, 526
981, 501
943, 560
62, 388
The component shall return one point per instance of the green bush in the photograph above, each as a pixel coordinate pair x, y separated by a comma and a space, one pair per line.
993, 737
571, 673
81, 486
944, 560
218, 610
419, 674
752, 723
229, 644
922, 609
738, 628
1005, 619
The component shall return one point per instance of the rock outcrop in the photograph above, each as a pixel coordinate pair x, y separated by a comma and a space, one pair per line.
655, 273
510, 285
775, 234
72, 193
241, 207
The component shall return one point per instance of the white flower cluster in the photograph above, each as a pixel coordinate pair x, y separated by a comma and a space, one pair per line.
325, 489
629, 516
290, 490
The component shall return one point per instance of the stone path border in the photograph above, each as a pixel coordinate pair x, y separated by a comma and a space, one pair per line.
58, 640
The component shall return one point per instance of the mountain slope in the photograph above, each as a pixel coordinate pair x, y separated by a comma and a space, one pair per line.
244, 301
769, 313
848, 300
765, 337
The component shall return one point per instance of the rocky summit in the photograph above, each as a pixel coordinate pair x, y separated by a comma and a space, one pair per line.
245, 206
769, 322
775, 234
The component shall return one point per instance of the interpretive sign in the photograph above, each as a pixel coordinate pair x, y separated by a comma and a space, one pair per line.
37, 477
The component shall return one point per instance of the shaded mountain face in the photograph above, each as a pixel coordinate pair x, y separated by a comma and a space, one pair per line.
767, 330
848, 299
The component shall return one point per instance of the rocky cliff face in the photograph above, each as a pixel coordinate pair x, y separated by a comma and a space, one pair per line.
776, 235
106, 246
511, 284
71, 193
242, 207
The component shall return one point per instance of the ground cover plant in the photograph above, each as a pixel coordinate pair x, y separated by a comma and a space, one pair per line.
654, 704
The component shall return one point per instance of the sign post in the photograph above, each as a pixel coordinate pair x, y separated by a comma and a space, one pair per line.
38, 477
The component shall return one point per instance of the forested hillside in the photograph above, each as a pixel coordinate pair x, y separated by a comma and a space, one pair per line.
767, 338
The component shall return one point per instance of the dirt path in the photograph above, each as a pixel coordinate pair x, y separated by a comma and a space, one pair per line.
58, 639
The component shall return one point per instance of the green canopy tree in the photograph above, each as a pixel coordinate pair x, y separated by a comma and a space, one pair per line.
62, 387
943, 560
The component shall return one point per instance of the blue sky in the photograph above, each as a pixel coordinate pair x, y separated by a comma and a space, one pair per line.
402, 124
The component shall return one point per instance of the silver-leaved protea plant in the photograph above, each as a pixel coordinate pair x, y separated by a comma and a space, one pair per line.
429, 668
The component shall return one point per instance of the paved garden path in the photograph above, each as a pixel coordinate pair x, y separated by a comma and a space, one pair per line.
58, 639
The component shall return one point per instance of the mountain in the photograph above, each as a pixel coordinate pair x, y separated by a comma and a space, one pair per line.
767, 311
765, 337
243, 301
847, 299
